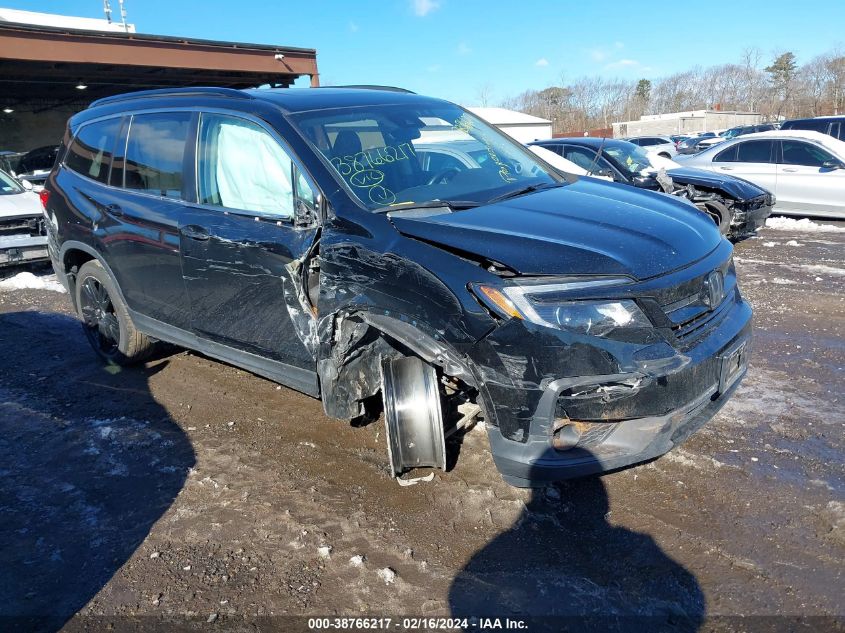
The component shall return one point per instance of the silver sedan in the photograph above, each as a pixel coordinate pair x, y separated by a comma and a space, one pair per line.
805, 170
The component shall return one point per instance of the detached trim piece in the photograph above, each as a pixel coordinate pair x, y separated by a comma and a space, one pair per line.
294, 377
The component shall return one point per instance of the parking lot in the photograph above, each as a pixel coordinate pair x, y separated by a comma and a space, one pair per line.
189, 487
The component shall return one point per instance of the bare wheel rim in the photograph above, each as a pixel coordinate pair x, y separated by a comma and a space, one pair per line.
98, 316
413, 415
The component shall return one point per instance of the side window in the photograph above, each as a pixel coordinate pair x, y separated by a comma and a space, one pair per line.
155, 153
726, 156
240, 166
837, 130
800, 153
754, 152
585, 158
91, 151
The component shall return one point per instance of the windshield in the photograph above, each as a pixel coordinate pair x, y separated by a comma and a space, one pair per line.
9, 185
394, 155
630, 157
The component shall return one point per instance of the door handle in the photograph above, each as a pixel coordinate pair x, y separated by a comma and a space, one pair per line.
115, 210
789, 169
194, 232
726, 168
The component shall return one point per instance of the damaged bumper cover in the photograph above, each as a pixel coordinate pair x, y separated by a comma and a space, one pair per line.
19, 249
629, 403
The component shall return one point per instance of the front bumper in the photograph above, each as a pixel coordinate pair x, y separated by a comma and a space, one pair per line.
632, 415
747, 222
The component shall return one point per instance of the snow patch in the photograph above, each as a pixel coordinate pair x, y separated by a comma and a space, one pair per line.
387, 575
804, 224
28, 281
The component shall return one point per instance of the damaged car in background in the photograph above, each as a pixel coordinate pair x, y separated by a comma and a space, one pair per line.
319, 238
738, 207
22, 235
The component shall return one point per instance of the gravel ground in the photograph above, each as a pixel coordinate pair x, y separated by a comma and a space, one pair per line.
187, 487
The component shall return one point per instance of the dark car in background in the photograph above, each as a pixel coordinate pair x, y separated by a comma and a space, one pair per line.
736, 206
831, 125
296, 234
692, 144
36, 164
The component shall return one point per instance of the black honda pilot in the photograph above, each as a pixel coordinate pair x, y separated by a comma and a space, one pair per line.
379, 249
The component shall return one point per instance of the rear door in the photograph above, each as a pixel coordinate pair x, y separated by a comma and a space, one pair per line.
805, 185
142, 241
753, 160
241, 242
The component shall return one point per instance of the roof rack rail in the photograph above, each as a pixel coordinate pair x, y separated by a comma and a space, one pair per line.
373, 87
175, 92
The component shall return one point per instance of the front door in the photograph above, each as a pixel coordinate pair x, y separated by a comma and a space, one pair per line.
241, 244
805, 184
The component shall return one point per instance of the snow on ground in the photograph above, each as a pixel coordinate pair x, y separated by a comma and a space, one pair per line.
804, 224
28, 281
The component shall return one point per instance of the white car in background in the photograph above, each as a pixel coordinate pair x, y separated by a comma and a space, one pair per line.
22, 236
662, 146
805, 170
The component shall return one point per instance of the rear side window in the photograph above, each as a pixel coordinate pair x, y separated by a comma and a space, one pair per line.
726, 156
91, 151
155, 153
754, 152
800, 153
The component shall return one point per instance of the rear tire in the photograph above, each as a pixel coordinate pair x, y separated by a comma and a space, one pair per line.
105, 318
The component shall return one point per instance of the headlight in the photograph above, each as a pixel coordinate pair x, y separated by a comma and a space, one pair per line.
544, 304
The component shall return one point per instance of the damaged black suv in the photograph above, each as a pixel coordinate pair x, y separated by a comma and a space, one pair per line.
373, 247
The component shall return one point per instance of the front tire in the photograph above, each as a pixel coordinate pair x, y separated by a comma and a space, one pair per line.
105, 318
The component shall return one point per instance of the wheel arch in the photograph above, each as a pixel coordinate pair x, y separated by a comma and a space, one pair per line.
72, 255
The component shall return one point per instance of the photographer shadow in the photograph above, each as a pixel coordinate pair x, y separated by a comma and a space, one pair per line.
562, 566
89, 461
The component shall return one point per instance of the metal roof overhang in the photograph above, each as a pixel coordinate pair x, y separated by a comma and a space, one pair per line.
40, 67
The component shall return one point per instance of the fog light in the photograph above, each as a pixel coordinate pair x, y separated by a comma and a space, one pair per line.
565, 434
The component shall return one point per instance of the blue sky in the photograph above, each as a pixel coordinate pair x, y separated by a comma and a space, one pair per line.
450, 48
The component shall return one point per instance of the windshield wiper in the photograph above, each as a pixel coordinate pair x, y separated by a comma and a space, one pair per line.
452, 205
523, 191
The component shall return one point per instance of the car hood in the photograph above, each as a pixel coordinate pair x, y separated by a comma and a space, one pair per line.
587, 227
735, 187
17, 204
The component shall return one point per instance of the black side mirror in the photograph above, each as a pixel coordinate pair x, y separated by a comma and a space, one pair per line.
833, 164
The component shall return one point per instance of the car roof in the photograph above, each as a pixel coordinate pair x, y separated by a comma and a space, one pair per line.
829, 117
289, 100
833, 144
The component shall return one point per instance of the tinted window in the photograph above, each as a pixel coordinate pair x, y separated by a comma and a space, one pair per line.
726, 156
155, 152
241, 166
800, 153
118, 161
90, 153
585, 158
754, 152
818, 125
